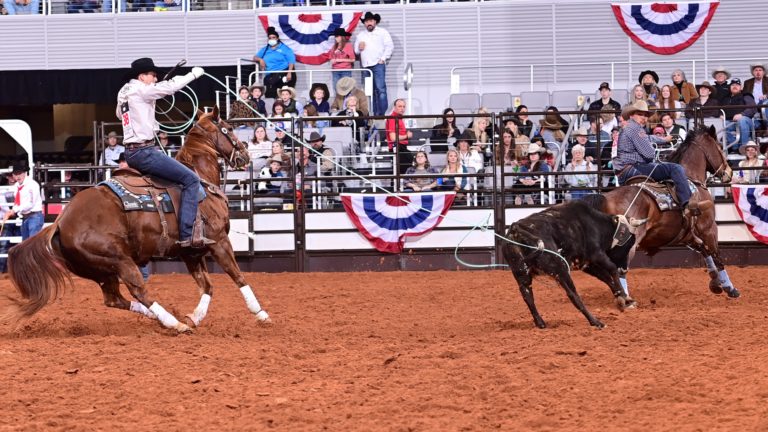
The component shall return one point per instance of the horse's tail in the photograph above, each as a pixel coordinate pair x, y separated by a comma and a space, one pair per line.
596, 201
37, 272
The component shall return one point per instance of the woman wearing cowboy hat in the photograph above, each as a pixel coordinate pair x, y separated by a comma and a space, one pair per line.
753, 160
341, 55
375, 48
536, 165
650, 82
636, 155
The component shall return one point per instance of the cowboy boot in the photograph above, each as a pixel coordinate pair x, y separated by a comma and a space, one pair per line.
198, 240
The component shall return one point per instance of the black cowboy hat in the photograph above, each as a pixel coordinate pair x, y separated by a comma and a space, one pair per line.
20, 167
272, 31
646, 72
315, 137
120, 158
316, 86
465, 136
368, 15
142, 65
341, 32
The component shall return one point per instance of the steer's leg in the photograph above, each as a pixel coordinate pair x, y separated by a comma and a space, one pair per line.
565, 281
524, 281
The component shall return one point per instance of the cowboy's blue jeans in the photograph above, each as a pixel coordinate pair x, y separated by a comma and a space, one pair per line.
152, 161
380, 102
745, 125
31, 225
662, 171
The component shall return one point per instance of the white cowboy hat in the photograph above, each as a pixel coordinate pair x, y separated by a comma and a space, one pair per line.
752, 144
582, 131
723, 70
637, 106
291, 90
756, 65
535, 148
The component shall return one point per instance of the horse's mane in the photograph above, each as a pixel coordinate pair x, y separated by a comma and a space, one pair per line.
197, 143
677, 155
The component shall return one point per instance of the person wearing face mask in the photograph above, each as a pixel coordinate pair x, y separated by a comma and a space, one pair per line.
279, 62
136, 111
375, 47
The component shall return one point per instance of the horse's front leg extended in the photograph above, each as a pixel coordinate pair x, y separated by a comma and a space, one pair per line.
223, 254
198, 270
720, 281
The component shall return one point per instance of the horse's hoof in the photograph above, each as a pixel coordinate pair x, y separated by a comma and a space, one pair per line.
263, 317
715, 286
732, 292
191, 320
541, 324
598, 324
625, 303
183, 328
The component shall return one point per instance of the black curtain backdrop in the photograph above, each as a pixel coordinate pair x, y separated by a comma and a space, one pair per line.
99, 86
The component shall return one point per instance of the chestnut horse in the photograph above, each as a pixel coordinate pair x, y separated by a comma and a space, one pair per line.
96, 239
699, 154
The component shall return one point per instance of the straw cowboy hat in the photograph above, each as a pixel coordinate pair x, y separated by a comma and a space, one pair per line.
274, 159
757, 65
535, 148
345, 85
706, 84
648, 72
640, 106
752, 144
368, 15
582, 131
291, 90
723, 70
256, 86
315, 137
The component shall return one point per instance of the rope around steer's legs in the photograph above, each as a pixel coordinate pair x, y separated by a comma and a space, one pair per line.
303, 143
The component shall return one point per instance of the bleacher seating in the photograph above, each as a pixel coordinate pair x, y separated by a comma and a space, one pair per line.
535, 100
566, 100
464, 103
497, 102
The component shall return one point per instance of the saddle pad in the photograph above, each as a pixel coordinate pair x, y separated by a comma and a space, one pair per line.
662, 193
136, 202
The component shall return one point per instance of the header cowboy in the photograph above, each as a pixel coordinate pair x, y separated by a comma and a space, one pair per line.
27, 202
636, 155
136, 110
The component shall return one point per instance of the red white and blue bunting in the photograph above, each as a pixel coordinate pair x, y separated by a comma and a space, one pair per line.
310, 36
752, 205
665, 28
386, 220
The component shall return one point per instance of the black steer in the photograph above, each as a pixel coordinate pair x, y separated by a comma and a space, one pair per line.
583, 237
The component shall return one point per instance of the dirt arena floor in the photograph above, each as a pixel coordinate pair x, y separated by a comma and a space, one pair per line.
444, 351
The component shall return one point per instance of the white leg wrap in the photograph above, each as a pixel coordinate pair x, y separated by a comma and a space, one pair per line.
167, 319
141, 309
253, 304
201, 310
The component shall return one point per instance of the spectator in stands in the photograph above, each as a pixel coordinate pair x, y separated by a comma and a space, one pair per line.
581, 137
278, 108
722, 88
751, 151
667, 103
638, 94
706, 99
508, 155
479, 132
604, 101
274, 58
278, 152
609, 119
167, 5
86, 6
112, 151
682, 90
320, 152
274, 169
444, 132
599, 138
519, 138
420, 166
259, 147
256, 101
578, 163
165, 141
524, 124
27, 202
9, 228
341, 55
676, 131
398, 137
318, 97
375, 48
291, 105
21, 7
351, 112
534, 166
308, 114
453, 166
345, 88
649, 80
757, 86
106, 6
553, 128
738, 113
468, 154
241, 108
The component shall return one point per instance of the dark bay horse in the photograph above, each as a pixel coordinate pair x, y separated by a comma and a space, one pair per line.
699, 154
95, 239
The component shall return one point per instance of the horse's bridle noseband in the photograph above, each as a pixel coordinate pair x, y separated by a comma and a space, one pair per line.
723, 171
233, 159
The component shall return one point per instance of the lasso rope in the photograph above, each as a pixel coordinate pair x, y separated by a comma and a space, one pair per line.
482, 225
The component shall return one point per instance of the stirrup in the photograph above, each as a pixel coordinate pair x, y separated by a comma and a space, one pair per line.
197, 244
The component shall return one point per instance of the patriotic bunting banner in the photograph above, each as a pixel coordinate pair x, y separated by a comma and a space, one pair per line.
752, 205
310, 36
664, 28
386, 220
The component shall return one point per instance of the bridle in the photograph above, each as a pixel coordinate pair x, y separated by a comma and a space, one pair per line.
723, 171
235, 158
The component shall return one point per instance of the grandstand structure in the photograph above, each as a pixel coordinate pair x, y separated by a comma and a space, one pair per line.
495, 54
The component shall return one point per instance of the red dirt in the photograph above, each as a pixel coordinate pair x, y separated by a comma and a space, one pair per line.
397, 351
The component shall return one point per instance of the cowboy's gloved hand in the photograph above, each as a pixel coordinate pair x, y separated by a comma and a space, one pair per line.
197, 71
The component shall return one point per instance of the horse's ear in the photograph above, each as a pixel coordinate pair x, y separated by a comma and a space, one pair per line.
200, 114
216, 112
712, 131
